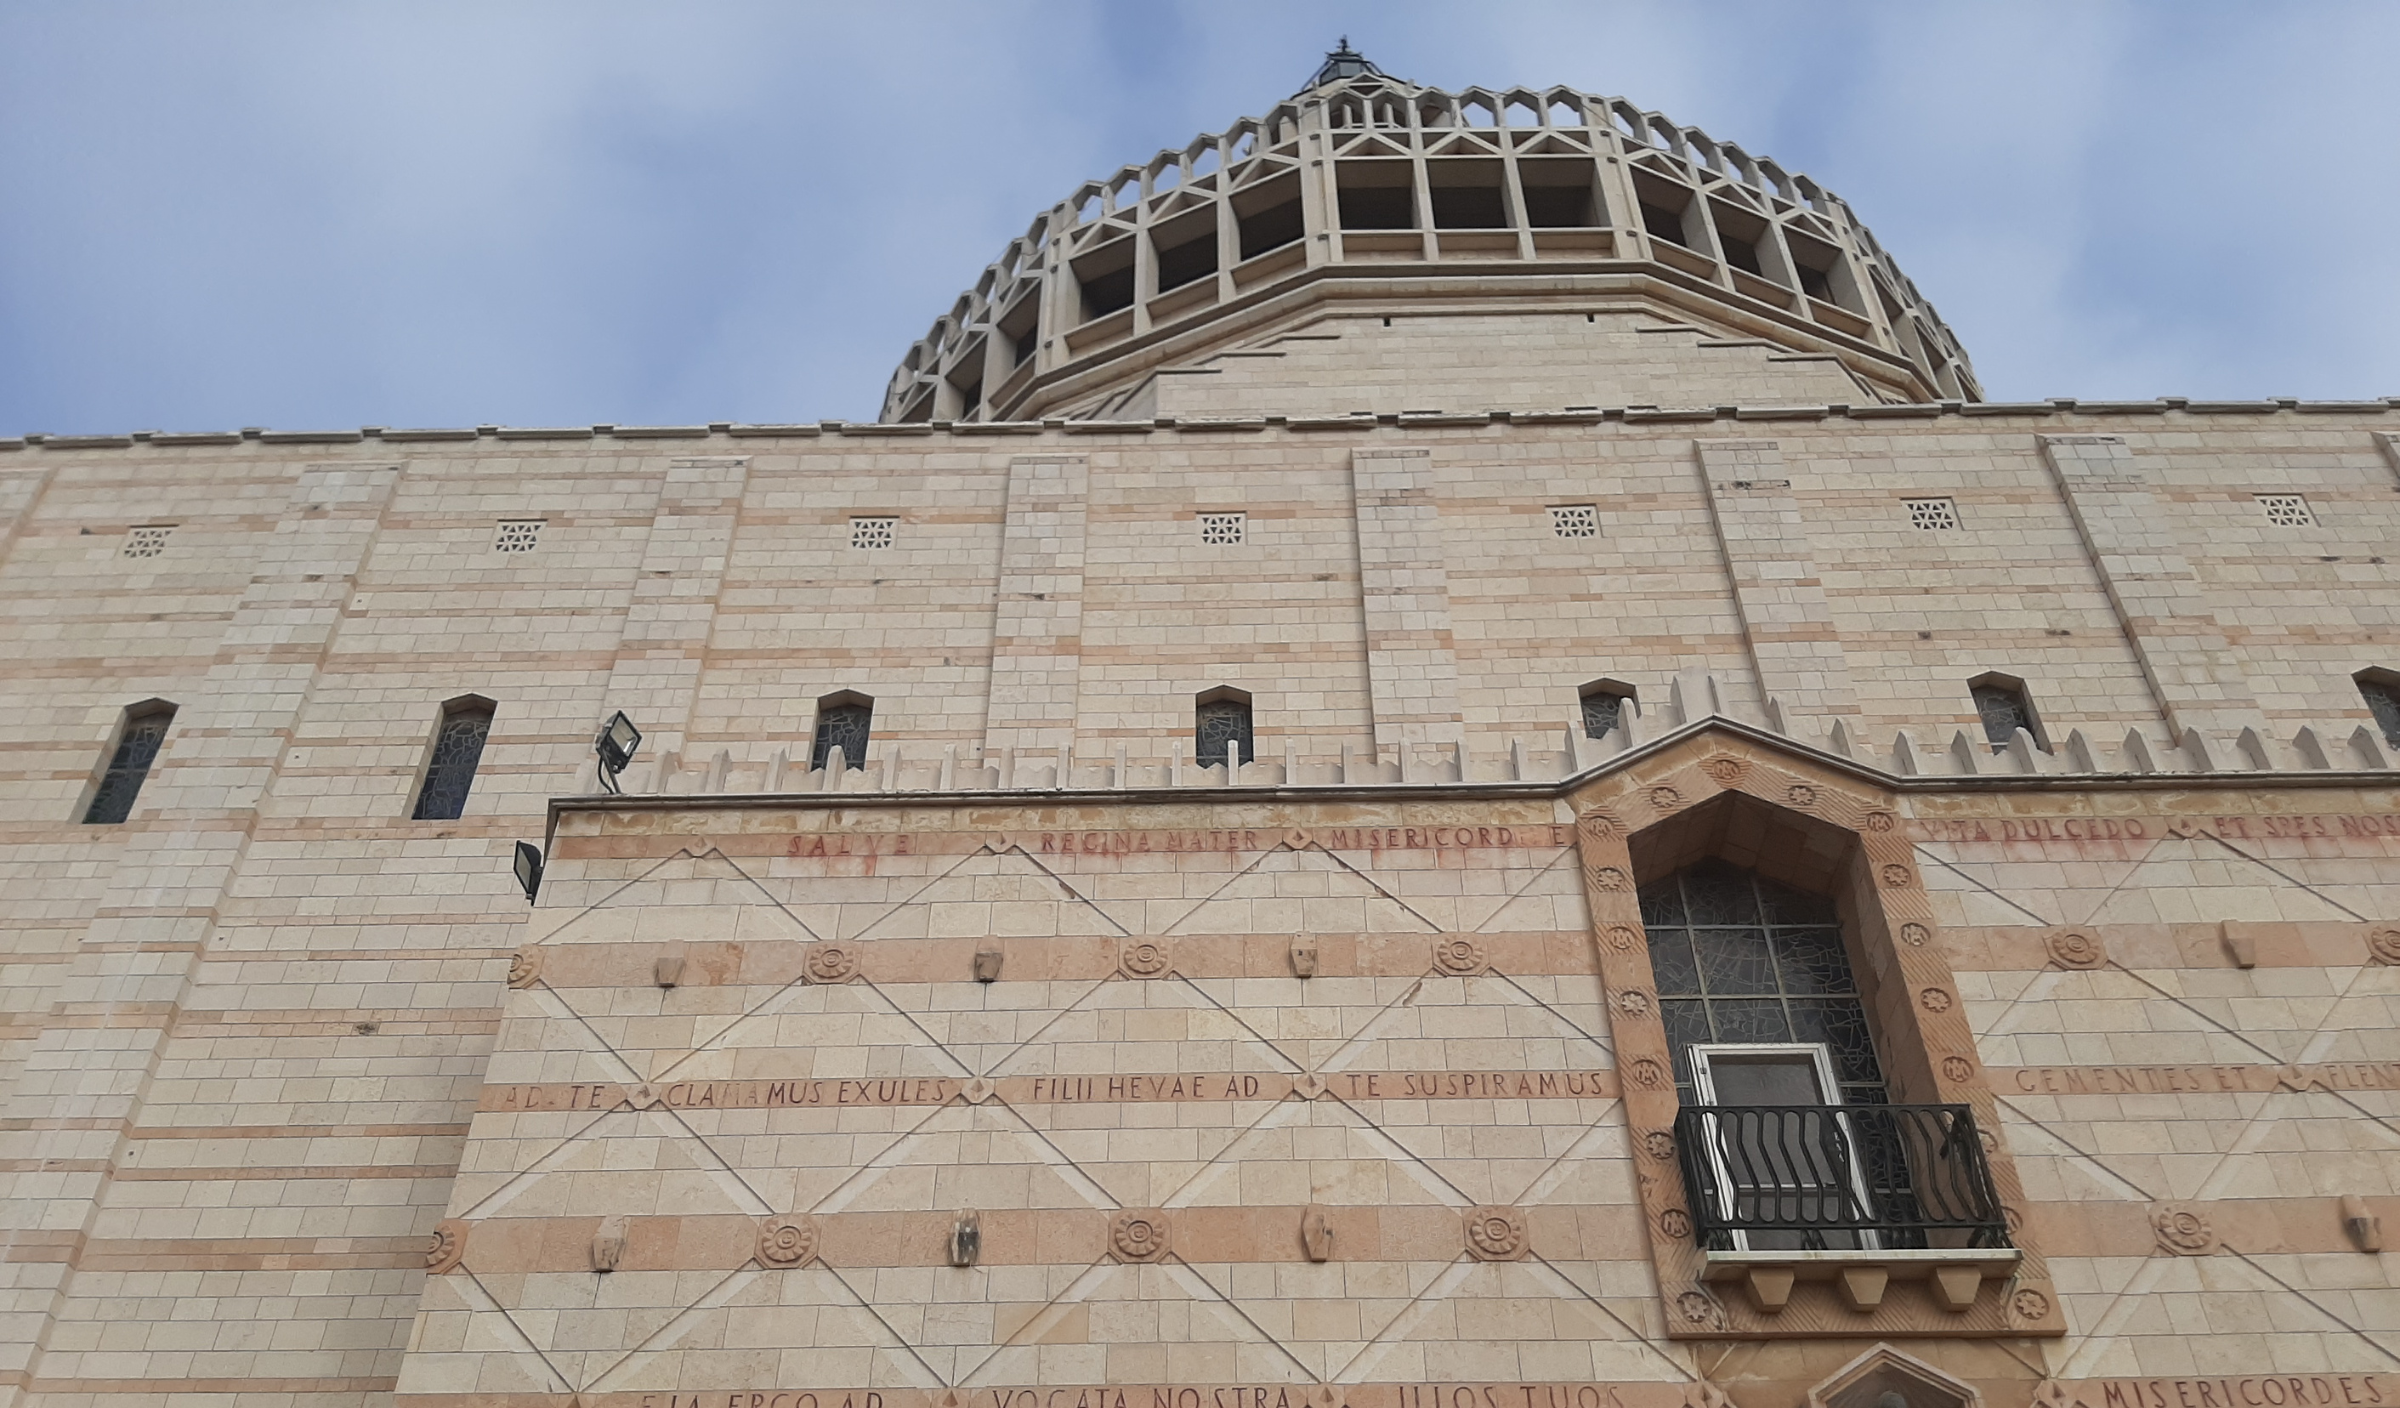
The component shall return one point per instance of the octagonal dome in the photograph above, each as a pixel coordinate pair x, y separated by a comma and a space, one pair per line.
1452, 243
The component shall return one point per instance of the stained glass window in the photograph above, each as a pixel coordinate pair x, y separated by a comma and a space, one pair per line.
1602, 710
2004, 711
2383, 700
1739, 958
137, 747
1219, 722
451, 772
843, 726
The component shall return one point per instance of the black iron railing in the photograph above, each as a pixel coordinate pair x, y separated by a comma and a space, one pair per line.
1835, 1177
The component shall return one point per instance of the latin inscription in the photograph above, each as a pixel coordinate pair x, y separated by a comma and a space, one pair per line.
1059, 1090
2088, 829
2174, 1080
1548, 1395
2243, 1391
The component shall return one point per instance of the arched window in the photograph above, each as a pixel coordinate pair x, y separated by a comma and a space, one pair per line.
1743, 961
844, 721
1219, 717
139, 735
457, 748
2005, 707
1604, 706
2381, 689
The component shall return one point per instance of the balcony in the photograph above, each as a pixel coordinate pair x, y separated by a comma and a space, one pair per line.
1859, 1195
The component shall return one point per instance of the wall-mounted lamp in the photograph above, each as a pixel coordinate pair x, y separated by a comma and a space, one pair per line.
616, 744
529, 869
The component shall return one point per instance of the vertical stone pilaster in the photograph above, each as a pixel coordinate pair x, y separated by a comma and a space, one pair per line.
1037, 633
65, 1127
1412, 662
1794, 645
2390, 445
20, 490
655, 677
2182, 648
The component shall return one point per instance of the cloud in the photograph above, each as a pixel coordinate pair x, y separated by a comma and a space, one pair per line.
325, 214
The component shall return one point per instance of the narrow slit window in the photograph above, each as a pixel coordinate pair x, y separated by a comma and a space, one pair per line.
1932, 515
150, 540
2286, 510
1223, 530
1218, 722
457, 749
872, 534
2383, 701
2004, 709
1575, 520
844, 721
138, 742
1604, 704
517, 535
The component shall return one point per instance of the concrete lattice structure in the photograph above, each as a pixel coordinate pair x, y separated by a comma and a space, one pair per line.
1202, 898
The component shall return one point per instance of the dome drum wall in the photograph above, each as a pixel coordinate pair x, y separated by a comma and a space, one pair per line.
1378, 196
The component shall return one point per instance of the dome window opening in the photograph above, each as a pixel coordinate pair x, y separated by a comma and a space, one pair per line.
2003, 705
1377, 194
1268, 216
1021, 326
1186, 248
1559, 193
1105, 276
1468, 194
1664, 209
1749, 245
1823, 274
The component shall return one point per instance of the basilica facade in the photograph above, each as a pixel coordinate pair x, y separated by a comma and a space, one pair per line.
1436, 756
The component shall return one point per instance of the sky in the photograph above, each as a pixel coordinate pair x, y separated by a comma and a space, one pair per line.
325, 215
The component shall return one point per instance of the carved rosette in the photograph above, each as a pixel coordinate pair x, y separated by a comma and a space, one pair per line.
2183, 1231
1609, 878
2384, 945
1143, 958
1460, 956
1665, 798
832, 963
2029, 1305
1801, 795
447, 1247
1138, 1234
1935, 999
1636, 1004
1698, 1309
2075, 948
524, 967
1896, 876
787, 1241
1495, 1233
1659, 1145
1915, 935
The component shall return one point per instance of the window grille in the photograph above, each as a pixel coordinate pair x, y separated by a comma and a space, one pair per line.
149, 541
1932, 515
1222, 530
1603, 710
451, 770
518, 535
2383, 700
138, 743
1575, 520
1219, 722
1740, 958
2004, 710
843, 726
2286, 510
872, 534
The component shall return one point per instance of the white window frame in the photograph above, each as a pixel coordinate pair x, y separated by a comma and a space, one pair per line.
1821, 1061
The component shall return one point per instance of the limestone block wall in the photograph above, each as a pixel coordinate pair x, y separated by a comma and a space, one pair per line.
246, 1032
